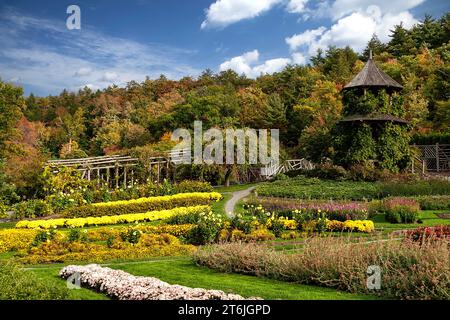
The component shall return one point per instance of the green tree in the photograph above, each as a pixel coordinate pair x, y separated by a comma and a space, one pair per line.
12, 105
402, 42
374, 45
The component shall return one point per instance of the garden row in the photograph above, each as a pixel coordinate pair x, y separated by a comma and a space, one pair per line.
313, 188
66, 189
395, 209
179, 228
409, 269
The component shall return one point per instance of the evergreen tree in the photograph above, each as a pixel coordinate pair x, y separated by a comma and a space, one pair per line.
375, 45
402, 42
428, 33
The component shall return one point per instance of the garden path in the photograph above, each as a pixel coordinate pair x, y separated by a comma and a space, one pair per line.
237, 195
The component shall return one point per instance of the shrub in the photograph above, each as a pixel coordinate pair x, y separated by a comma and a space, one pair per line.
277, 227
65, 189
434, 202
327, 171
207, 229
143, 204
431, 138
360, 172
18, 284
77, 235
131, 235
193, 186
105, 220
3, 210
401, 210
32, 209
415, 188
409, 270
43, 236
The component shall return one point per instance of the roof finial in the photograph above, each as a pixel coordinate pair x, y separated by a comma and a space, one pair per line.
370, 55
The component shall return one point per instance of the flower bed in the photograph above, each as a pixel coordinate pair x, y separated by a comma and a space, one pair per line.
143, 204
366, 226
133, 245
107, 220
102, 234
429, 233
401, 210
14, 239
341, 211
123, 286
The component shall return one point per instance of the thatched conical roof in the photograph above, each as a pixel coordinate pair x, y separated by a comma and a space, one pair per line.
372, 76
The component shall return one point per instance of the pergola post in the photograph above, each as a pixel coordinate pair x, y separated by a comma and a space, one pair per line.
437, 157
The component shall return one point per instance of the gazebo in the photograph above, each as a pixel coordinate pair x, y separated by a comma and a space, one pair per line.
373, 129
371, 78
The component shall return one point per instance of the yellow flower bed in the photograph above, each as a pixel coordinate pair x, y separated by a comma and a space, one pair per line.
289, 224
359, 225
15, 239
351, 225
213, 196
108, 220
102, 234
150, 245
143, 204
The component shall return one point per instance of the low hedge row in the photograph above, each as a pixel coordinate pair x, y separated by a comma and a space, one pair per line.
434, 202
313, 188
143, 204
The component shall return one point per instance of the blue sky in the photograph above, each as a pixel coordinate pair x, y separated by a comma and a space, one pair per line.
120, 41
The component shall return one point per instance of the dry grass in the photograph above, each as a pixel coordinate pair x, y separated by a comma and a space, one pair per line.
408, 270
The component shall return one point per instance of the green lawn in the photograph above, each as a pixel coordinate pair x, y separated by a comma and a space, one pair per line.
234, 187
428, 217
7, 225
219, 206
184, 272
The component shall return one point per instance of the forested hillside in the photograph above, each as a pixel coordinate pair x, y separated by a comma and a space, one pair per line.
304, 102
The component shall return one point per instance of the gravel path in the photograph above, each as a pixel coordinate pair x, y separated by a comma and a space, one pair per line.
237, 195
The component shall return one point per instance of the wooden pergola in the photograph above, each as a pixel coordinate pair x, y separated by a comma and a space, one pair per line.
115, 170
119, 170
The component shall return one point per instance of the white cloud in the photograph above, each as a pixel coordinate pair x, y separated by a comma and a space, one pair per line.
85, 71
340, 8
225, 12
109, 76
296, 6
241, 64
299, 58
305, 38
353, 30
78, 58
246, 64
271, 66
